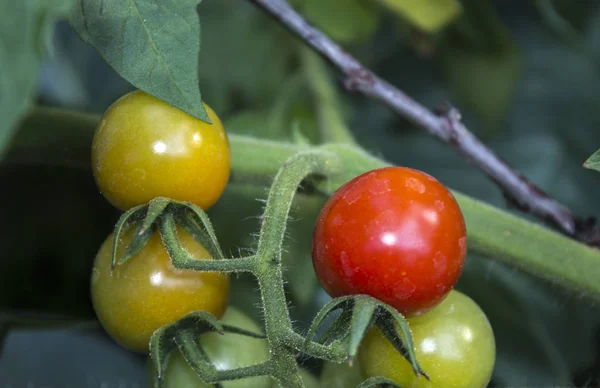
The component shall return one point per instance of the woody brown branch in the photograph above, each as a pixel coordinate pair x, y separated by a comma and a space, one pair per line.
446, 125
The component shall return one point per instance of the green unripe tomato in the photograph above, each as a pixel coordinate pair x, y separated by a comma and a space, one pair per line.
227, 351
342, 375
454, 344
308, 379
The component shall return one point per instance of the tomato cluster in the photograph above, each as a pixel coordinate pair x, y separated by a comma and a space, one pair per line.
396, 234
145, 148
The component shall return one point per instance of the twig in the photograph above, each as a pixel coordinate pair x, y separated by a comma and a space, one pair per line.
445, 125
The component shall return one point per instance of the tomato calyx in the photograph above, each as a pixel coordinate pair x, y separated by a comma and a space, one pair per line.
182, 335
165, 215
358, 314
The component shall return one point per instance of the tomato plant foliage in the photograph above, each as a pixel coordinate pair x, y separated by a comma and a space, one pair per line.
160, 63
261, 81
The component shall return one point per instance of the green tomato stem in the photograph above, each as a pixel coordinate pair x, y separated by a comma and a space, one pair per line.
268, 271
187, 343
51, 136
331, 123
491, 232
183, 260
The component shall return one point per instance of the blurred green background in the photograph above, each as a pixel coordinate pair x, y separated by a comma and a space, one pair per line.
524, 73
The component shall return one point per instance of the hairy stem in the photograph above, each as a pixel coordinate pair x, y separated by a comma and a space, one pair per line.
183, 260
268, 269
210, 375
492, 232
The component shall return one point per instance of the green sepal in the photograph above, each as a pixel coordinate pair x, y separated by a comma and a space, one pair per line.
363, 315
156, 207
344, 302
129, 217
148, 214
339, 329
137, 243
378, 382
191, 224
165, 339
194, 355
388, 320
359, 313
162, 344
198, 214
186, 335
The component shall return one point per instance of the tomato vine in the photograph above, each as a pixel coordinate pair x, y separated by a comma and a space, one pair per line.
492, 232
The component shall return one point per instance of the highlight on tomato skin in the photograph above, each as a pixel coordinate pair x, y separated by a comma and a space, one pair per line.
145, 148
146, 292
454, 343
394, 233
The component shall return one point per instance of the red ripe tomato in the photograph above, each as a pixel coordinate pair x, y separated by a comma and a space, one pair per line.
394, 233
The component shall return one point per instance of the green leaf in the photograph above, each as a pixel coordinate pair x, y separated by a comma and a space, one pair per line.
593, 162
250, 56
347, 21
427, 15
26, 28
247, 122
482, 64
152, 44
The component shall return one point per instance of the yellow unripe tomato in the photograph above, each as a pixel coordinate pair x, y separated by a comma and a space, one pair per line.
147, 292
454, 343
145, 148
